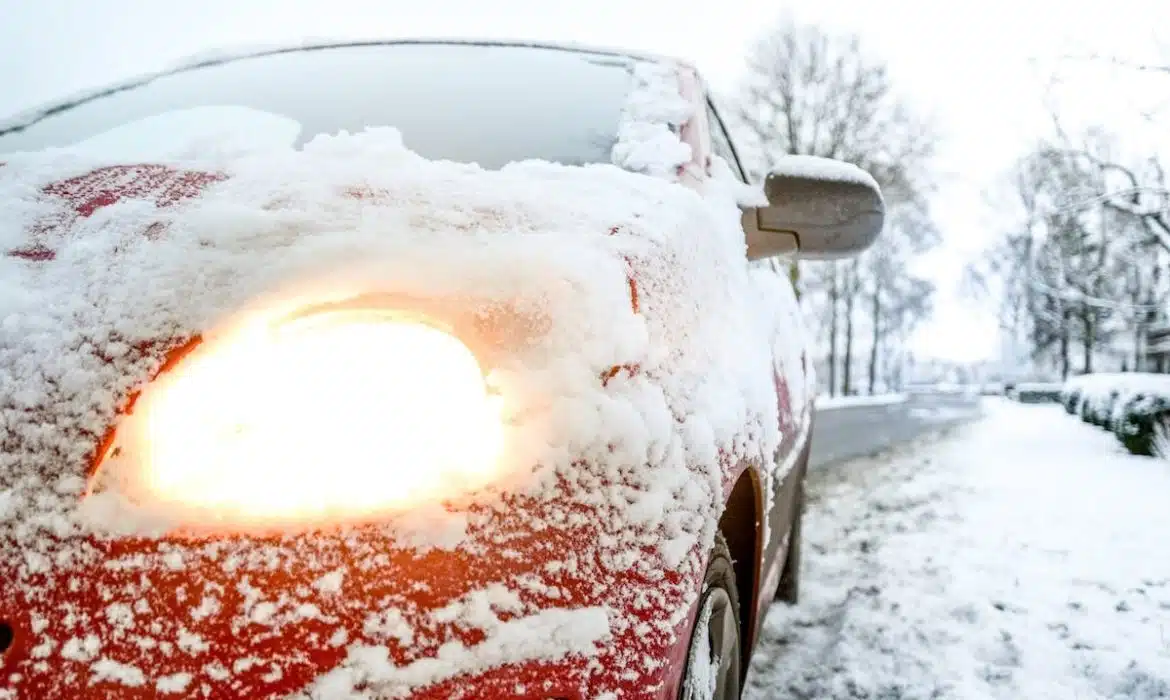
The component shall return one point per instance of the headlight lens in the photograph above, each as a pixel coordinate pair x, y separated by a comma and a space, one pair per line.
329, 416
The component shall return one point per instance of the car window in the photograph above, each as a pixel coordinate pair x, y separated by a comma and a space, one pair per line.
474, 103
721, 142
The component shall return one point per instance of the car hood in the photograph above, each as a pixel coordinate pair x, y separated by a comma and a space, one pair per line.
613, 311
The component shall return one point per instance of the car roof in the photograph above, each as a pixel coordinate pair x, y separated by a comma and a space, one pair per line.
309, 45
24, 119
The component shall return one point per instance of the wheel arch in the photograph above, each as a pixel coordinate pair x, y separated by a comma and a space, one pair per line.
741, 526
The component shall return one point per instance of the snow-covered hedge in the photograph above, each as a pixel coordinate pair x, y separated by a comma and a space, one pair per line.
1133, 405
1036, 392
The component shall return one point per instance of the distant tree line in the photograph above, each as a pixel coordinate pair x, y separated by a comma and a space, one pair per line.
1083, 272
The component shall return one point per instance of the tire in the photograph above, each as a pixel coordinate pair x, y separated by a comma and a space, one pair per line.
788, 591
716, 634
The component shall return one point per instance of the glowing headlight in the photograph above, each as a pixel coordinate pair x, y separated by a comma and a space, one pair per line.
333, 415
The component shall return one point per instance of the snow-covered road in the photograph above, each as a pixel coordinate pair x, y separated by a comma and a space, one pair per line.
1024, 556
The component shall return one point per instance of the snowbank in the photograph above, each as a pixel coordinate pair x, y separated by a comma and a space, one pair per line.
629, 344
828, 403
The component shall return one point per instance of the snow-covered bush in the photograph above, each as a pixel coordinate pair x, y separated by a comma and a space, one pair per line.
1134, 405
1036, 392
1142, 420
1092, 396
1070, 398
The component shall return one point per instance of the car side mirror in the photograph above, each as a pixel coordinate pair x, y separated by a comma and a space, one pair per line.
817, 207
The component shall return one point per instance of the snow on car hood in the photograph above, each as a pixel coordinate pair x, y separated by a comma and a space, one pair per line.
648, 379
356, 215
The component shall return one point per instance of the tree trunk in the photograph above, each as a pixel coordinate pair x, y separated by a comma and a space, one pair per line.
1139, 321
876, 338
1064, 343
1087, 339
834, 295
1138, 342
847, 370
895, 371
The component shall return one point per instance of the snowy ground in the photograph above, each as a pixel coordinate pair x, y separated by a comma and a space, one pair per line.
1024, 556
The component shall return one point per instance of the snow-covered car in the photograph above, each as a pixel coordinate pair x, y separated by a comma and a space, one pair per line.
401, 369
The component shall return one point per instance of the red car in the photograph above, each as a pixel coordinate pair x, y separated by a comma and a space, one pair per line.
508, 400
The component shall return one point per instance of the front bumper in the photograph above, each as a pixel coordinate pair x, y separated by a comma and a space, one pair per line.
536, 601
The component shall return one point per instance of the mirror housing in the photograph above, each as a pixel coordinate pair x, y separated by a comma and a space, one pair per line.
820, 208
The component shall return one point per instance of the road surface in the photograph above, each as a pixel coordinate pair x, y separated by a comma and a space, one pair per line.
856, 431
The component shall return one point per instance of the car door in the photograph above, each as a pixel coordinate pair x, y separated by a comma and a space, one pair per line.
780, 311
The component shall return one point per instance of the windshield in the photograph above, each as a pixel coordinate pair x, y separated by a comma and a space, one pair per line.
473, 103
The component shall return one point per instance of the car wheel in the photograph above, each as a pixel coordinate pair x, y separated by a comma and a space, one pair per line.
715, 653
789, 589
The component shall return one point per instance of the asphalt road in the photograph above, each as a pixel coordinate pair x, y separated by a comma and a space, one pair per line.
857, 431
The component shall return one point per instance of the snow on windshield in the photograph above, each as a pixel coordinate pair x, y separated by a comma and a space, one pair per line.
212, 132
648, 377
489, 104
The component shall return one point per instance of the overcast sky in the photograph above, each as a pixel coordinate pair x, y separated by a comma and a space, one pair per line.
982, 69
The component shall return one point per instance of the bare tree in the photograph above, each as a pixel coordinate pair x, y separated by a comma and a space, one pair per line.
1137, 189
811, 92
834, 302
1082, 273
850, 288
898, 300
1076, 272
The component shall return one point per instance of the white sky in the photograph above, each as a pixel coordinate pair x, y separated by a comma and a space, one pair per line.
981, 68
